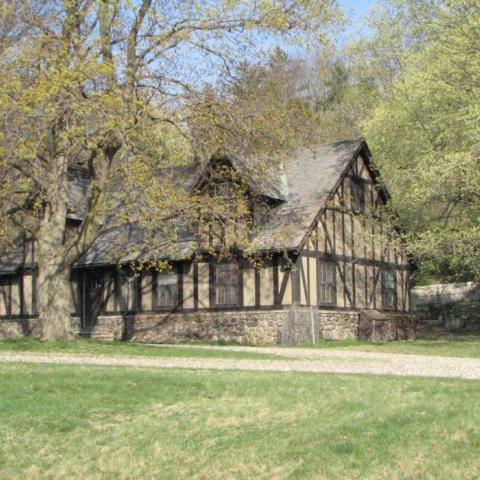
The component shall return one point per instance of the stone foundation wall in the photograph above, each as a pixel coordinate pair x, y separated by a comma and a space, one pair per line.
252, 327
16, 327
338, 325
107, 328
296, 325
299, 324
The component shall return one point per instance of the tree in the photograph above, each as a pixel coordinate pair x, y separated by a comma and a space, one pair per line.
118, 89
316, 92
425, 135
274, 92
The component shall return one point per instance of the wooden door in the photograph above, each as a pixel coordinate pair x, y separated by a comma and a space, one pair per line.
94, 297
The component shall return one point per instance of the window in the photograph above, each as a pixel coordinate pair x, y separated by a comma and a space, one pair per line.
39, 212
227, 284
389, 290
223, 190
5, 296
327, 294
358, 195
167, 289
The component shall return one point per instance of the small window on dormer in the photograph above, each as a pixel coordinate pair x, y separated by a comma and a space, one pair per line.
223, 190
40, 212
358, 195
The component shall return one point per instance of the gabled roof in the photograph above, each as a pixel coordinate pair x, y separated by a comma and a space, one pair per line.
265, 177
313, 174
302, 184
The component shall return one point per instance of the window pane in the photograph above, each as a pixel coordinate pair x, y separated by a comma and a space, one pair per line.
358, 195
5, 297
226, 280
389, 289
327, 283
167, 289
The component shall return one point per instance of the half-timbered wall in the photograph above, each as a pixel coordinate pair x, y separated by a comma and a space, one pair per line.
362, 253
369, 272
264, 285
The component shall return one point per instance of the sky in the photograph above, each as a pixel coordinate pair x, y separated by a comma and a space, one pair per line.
358, 5
355, 10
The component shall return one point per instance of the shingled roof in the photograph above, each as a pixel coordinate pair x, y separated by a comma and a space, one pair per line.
303, 183
77, 197
127, 243
312, 174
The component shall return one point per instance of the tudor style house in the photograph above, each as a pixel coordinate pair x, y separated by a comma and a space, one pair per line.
330, 267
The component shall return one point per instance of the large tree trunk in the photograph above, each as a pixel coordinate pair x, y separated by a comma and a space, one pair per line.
54, 260
54, 300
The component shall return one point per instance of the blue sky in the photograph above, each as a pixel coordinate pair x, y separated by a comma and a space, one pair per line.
355, 10
359, 6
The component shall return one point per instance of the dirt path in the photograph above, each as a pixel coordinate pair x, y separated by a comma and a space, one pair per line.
328, 360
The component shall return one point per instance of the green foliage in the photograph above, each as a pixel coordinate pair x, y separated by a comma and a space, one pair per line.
118, 90
424, 135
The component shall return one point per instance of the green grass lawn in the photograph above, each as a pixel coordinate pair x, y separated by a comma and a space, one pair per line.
95, 347
455, 346
459, 346
69, 422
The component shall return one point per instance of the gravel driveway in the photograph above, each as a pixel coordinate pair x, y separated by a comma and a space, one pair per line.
306, 360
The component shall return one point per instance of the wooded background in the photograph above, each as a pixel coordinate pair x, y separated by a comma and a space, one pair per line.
411, 86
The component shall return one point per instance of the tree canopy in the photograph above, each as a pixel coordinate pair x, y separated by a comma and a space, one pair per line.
424, 133
410, 86
124, 91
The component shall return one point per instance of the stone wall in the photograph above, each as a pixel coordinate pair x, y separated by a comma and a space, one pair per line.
252, 327
301, 325
447, 308
445, 294
294, 325
338, 325
309, 325
16, 327
107, 328
433, 320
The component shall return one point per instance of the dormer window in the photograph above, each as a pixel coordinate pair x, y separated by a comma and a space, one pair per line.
40, 211
358, 195
223, 190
